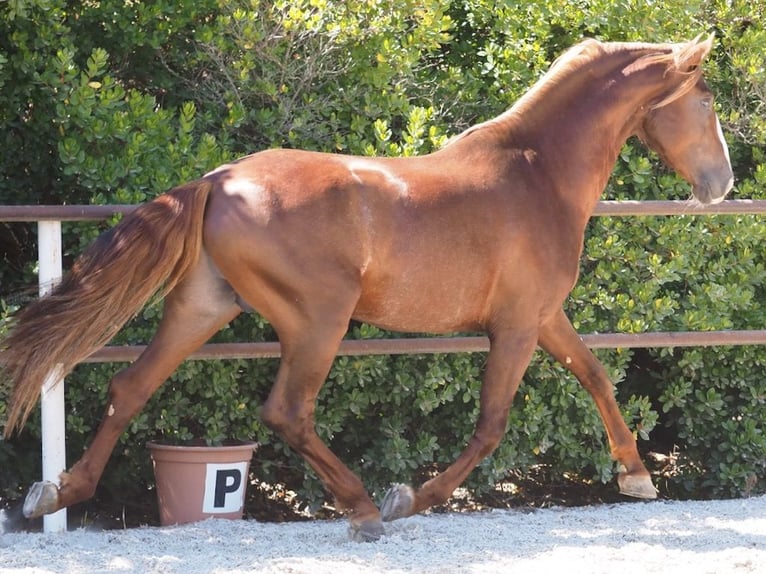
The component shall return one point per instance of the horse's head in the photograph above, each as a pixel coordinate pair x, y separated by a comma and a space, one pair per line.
682, 127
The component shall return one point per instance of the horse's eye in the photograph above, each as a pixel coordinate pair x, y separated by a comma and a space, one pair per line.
707, 103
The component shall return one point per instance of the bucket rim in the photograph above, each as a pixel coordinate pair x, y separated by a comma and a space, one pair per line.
234, 445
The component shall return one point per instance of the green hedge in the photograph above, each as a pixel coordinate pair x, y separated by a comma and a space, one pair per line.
113, 103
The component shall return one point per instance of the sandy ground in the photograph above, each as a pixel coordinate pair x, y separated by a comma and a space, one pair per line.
696, 537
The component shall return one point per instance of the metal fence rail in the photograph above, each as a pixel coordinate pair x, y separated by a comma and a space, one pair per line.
433, 345
603, 208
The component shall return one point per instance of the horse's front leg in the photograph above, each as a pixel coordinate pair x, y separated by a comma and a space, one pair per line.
558, 337
509, 356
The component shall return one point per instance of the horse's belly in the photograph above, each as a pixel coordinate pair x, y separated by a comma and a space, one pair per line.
429, 308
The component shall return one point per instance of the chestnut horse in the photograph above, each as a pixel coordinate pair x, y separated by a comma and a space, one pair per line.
483, 235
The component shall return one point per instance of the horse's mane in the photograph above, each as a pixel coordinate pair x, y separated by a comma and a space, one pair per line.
676, 61
675, 58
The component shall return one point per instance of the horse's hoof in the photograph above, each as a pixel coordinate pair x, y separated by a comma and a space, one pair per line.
366, 531
397, 502
42, 498
637, 486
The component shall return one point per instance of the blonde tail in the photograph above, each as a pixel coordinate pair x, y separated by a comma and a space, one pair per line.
146, 254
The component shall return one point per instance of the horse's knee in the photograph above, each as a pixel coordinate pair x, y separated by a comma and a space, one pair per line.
488, 436
271, 416
293, 424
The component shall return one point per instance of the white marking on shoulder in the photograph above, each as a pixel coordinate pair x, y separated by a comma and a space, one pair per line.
365, 264
361, 169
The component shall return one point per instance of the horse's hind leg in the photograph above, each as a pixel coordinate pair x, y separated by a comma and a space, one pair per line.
307, 355
193, 312
310, 325
559, 338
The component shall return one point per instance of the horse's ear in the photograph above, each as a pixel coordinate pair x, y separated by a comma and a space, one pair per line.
692, 54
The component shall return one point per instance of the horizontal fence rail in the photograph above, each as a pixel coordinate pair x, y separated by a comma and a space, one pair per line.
435, 345
19, 213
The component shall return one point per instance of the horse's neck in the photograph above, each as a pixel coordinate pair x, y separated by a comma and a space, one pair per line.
577, 130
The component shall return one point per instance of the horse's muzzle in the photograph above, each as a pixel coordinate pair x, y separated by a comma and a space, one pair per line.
713, 189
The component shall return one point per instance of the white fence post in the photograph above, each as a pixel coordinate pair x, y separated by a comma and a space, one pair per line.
52, 398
